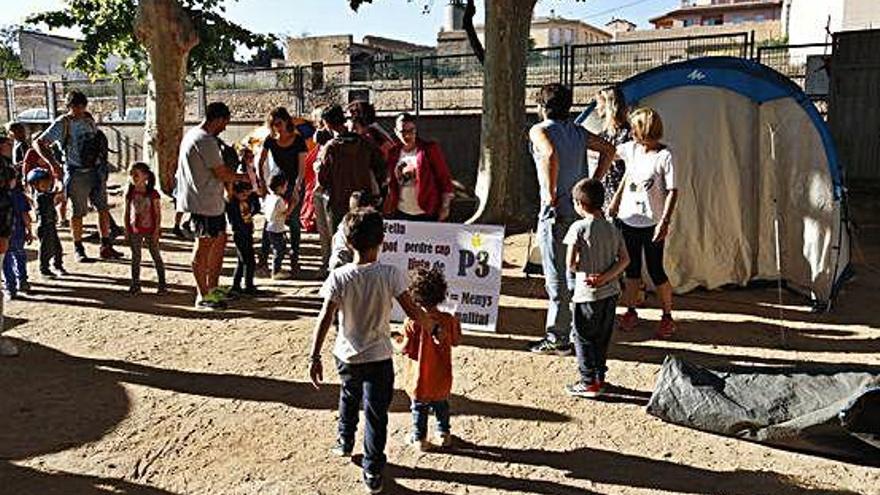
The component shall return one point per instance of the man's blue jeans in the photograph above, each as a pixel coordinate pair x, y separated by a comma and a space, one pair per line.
558, 282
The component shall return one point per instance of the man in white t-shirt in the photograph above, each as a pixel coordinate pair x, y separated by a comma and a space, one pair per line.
200, 176
361, 293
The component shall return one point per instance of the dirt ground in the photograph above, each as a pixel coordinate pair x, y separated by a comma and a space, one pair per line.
145, 395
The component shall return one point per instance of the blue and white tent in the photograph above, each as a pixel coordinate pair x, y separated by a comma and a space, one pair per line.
757, 173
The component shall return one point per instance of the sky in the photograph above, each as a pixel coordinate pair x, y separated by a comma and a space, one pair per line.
401, 19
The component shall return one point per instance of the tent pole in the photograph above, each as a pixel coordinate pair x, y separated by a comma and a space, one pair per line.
783, 331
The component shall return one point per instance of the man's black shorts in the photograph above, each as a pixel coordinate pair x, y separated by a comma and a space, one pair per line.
208, 226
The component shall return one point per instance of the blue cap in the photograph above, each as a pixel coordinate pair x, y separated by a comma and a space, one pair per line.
37, 175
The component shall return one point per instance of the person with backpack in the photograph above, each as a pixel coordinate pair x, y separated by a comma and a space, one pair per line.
85, 170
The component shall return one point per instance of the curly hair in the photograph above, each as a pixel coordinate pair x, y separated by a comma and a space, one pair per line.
428, 287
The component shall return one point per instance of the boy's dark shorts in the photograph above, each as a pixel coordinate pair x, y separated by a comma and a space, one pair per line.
208, 226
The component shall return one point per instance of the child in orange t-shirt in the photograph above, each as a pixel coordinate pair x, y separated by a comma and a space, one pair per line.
430, 358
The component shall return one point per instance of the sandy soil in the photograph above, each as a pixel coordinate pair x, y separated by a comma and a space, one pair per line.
145, 395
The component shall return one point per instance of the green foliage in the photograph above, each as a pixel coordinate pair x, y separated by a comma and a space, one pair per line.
773, 42
264, 56
108, 28
10, 61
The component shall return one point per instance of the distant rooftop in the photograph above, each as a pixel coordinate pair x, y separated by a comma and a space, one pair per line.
717, 7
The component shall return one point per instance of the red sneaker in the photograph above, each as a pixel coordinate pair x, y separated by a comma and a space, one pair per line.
629, 320
589, 390
666, 328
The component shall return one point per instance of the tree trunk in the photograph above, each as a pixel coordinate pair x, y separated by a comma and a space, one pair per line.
168, 34
503, 134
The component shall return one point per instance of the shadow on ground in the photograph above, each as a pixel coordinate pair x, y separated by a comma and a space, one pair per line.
53, 402
605, 467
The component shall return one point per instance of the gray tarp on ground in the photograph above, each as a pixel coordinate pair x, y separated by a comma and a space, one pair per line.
833, 414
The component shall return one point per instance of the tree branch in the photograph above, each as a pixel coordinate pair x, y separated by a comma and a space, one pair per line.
476, 45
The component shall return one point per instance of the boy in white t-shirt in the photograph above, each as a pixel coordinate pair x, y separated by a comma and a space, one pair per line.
361, 292
644, 204
277, 210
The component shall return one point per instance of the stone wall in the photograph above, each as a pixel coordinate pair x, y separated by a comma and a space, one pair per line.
326, 49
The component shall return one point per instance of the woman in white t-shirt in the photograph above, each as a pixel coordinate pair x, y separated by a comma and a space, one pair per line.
643, 205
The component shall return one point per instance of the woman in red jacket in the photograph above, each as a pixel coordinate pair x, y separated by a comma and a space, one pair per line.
420, 186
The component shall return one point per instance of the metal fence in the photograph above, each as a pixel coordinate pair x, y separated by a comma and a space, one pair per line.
455, 82
429, 83
598, 65
808, 65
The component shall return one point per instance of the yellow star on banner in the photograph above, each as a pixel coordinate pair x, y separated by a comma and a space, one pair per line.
477, 241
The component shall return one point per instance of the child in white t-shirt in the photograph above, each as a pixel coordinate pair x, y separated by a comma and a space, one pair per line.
361, 293
643, 205
276, 209
340, 253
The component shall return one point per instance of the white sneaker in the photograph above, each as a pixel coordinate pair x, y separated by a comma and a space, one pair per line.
8, 347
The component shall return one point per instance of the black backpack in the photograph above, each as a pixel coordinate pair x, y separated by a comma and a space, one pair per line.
94, 151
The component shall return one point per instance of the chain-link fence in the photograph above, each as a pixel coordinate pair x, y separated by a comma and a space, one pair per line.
597, 65
808, 65
455, 82
428, 83
27, 101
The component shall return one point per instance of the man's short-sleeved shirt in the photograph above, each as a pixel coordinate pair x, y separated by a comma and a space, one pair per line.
649, 177
364, 294
598, 243
198, 190
79, 130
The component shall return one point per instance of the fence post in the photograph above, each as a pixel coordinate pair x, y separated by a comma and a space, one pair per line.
299, 87
752, 45
414, 80
420, 86
6, 100
52, 97
203, 96
120, 96
10, 98
563, 52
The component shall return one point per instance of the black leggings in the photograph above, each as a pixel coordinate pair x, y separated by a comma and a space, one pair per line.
638, 240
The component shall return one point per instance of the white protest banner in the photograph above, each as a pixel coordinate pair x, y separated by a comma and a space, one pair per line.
470, 257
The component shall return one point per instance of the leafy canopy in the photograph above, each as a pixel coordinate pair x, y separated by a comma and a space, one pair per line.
10, 59
108, 29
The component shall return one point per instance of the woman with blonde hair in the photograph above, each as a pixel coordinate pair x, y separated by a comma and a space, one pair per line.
611, 107
644, 204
